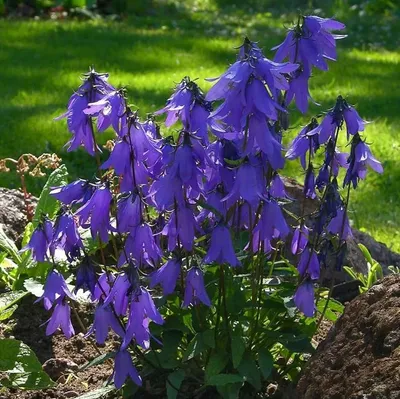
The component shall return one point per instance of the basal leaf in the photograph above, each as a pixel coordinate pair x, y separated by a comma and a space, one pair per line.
266, 362
224, 379
216, 364
238, 348
175, 381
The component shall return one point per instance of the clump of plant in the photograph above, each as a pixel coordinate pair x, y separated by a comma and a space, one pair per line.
180, 240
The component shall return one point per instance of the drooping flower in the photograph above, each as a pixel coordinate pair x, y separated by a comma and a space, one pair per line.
129, 212
221, 247
109, 111
98, 209
61, 318
102, 288
55, 288
248, 184
94, 88
167, 275
181, 227
86, 276
166, 191
66, 236
104, 319
40, 241
309, 183
195, 291
124, 368
304, 298
120, 292
277, 187
76, 192
309, 263
141, 246
300, 239
142, 308
360, 157
340, 225
298, 89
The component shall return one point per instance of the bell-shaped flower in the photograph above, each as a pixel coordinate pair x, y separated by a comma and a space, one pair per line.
55, 287
166, 191
195, 291
167, 275
300, 239
340, 225
66, 236
129, 212
94, 88
248, 184
104, 319
309, 263
86, 278
181, 227
354, 123
304, 298
360, 157
141, 311
298, 89
102, 287
98, 209
61, 318
40, 241
309, 183
109, 111
221, 248
277, 187
124, 368
141, 246
76, 192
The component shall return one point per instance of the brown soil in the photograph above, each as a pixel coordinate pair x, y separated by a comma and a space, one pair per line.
61, 358
360, 359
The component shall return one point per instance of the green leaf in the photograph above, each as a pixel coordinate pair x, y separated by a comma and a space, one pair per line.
34, 287
27, 234
7, 313
48, 205
22, 367
249, 371
224, 379
209, 338
238, 348
230, 391
266, 362
98, 360
196, 346
366, 253
97, 393
9, 246
215, 365
8, 301
297, 343
176, 378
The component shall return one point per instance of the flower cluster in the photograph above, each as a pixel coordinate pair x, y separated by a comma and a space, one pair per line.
169, 207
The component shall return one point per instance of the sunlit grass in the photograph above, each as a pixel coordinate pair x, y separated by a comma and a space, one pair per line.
41, 63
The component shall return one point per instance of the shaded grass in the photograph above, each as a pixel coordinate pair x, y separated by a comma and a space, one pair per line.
41, 63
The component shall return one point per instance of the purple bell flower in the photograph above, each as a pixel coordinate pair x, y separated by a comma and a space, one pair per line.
119, 294
102, 287
94, 88
181, 227
86, 278
124, 368
221, 247
76, 192
354, 123
98, 209
109, 111
66, 236
300, 239
248, 184
104, 319
304, 298
167, 276
309, 183
360, 157
298, 89
141, 246
40, 241
340, 225
129, 212
61, 318
166, 191
309, 263
195, 291
277, 187
55, 288
141, 311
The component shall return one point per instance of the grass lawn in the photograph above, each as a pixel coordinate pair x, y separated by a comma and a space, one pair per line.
41, 62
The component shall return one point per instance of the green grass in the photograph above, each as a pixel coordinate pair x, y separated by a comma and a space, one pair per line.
41, 62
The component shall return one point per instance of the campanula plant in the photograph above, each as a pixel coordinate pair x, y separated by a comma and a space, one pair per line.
186, 266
